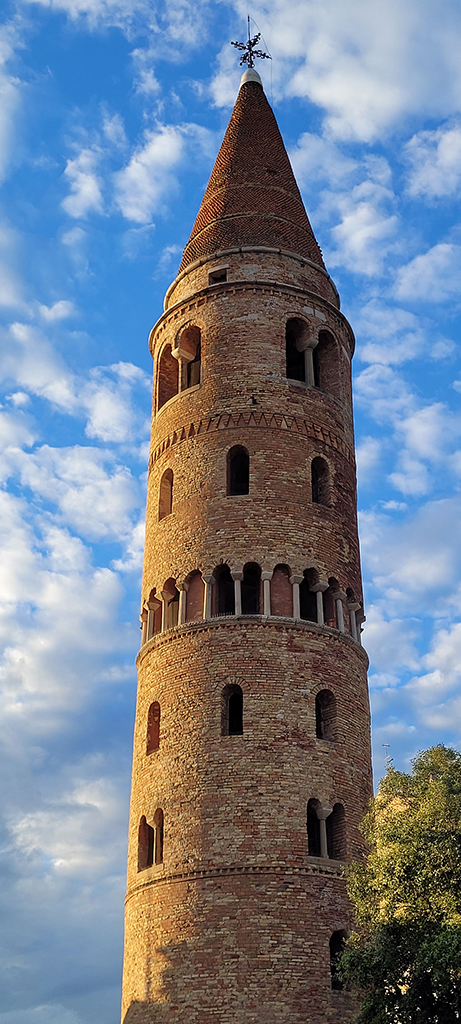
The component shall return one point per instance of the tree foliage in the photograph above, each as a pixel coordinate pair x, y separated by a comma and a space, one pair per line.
405, 963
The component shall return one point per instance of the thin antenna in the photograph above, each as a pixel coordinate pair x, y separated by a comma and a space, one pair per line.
248, 48
387, 759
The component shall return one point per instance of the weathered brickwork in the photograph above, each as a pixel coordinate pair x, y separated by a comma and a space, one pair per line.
230, 921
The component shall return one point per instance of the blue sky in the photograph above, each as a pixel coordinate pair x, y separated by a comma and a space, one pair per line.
111, 115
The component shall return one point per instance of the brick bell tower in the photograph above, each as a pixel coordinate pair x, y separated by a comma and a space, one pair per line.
251, 762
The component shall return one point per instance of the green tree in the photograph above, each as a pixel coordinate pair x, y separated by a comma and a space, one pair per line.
405, 963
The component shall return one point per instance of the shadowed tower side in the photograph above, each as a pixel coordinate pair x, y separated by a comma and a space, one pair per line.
251, 767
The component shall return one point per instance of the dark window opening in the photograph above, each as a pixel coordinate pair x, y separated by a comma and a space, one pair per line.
325, 715
232, 711
193, 368
320, 476
313, 829
145, 845
336, 833
251, 588
165, 503
238, 471
326, 363
281, 591
295, 361
153, 728
217, 276
337, 943
225, 596
307, 600
158, 836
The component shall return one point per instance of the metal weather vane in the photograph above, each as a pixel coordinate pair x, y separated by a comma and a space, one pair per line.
249, 52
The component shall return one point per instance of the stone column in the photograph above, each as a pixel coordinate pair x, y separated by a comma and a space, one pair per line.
237, 578
339, 597
295, 582
322, 814
360, 618
150, 619
143, 621
307, 346
353, 607
318, 589
183, 588
184, 357
266, 578
208, 580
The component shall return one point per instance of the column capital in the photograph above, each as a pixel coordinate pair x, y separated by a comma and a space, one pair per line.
152, 605
208, 577
181, 585
339, 595
296, 578
236, 574
323, 812
353, 606
266, 575
319, 587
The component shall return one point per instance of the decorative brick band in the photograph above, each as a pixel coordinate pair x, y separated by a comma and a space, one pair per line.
317, 867
261, 420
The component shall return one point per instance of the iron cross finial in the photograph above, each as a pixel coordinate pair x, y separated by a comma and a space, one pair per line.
249, 52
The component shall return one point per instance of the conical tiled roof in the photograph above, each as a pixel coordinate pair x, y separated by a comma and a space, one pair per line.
252, 197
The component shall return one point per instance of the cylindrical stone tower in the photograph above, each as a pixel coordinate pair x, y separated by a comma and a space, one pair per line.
251, 762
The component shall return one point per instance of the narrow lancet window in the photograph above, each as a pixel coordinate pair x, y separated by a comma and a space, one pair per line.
336, 833
224, 590
168, 374
320, 482
145, 845
325, 715
232, 711
158, 836
165, 501
313, 829
153, 727
238, 470
251, 588
295, 360
337, 942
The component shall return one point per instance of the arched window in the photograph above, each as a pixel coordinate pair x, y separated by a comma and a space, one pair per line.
165, 500
171, 597
281, 591
326, 363
167, 374
313, 829
336, 833
307, 597
194, 596
337, 942
251, 589
153, 728
189, 352
238, 470
232, 711
224, 591
320, 482
325, 715
295, 331
145, 845
158, 836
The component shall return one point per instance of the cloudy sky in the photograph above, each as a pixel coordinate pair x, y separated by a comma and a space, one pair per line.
111, 115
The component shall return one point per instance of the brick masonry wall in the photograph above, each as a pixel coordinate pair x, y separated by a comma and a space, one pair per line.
233, 927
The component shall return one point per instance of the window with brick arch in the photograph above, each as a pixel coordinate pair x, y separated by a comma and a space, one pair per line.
238, 470
295, 331
171, 597
329, 607
307, 597
194, 596
158, 836
336, 833
325, 715
320, 481
224, 591
167, 377
326, 364
232, 710
145, 845
313, 829
165, 498
153, 727
337, 942
281, 591
251, 589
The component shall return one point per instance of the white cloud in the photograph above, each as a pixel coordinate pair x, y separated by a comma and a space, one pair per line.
60, 310
108, 399
435, 159
28, 358
141, 186
367, 228
432, 277
317, 158
389, 335
85, 183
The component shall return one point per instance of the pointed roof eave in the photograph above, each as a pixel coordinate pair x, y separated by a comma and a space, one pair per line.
252, 197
